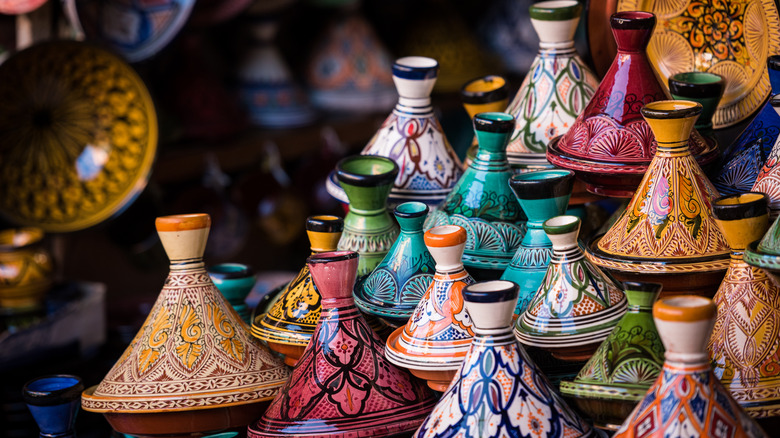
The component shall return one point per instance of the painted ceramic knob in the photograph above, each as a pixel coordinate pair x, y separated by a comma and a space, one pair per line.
54, 402
542, 195
626, 364
667, 233
235, 281
610, 145
702, 87
190, 352
343, 385
395, 287
482, 202
368, 228
486, 94
687, 399
746, 337
26, 269
745, 157
576, 306
499, 391
289, 324
435, 340
557, 87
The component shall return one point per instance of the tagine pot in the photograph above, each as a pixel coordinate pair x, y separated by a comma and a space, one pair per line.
26, 270
499, 391
483, 204
576, 306
701, 87
768, 179
289, 324
542, 195
393, 290
624, 367
610, 145
687, 399
482, 95
192, 367
235, 281
54, 402
343, 385
557, 87
667, 233
435, 340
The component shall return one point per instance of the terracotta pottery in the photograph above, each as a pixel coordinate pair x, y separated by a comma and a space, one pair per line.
192, 367
485, 94
746, 338
26, 269
54, 402
482, 202
413, 138
667, 233
557, 87
610, 146
435, 340
395, 287
687, 399
343, 386
747, 154
576, 305
499, 391
702, 87
289, 324
542, 195
235, 281
624, 367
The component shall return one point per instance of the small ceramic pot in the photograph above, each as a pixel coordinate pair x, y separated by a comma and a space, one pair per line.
26, 269
235, 281
702, 87
54, 402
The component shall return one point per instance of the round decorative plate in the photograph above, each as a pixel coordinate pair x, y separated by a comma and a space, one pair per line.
79, 135
731, 38
16, 7
135, 28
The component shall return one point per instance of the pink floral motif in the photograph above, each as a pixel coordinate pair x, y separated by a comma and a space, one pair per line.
343, 349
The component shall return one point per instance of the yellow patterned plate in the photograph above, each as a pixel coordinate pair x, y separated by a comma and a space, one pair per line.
78, 136
731, 38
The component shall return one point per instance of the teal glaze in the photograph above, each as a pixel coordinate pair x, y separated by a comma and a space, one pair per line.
392, 291
536, 192
234, 281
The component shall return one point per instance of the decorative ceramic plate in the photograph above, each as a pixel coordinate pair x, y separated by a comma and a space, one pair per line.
15, 7
135, 28
79, 136
731, 38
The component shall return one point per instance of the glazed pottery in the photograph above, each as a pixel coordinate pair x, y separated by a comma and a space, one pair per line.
557, 87
730, 38
626, 364
482, 202
343, 386
16, 7
26, 269
499, 391
191, 368
748, 153
610, 145
768, 179
667, 233
395, 287
413, 138
435, 340
486, 94
368, 228
289, 324
542, 195
687, 399
235, 281
349, 69
744, 343
88, 120
54, 402
702, 87
576, 306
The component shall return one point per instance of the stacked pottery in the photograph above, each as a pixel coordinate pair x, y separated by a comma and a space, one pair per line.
395, 287
482, 95
54, 402
343, 385
667, 233
542, 195
291, 320
235, 281
499, 391
555, 90
191, 352
687, 399
482, 202
702, 87
626, 364
26, 270
745, 341
435, 340
610, 146
576, 306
